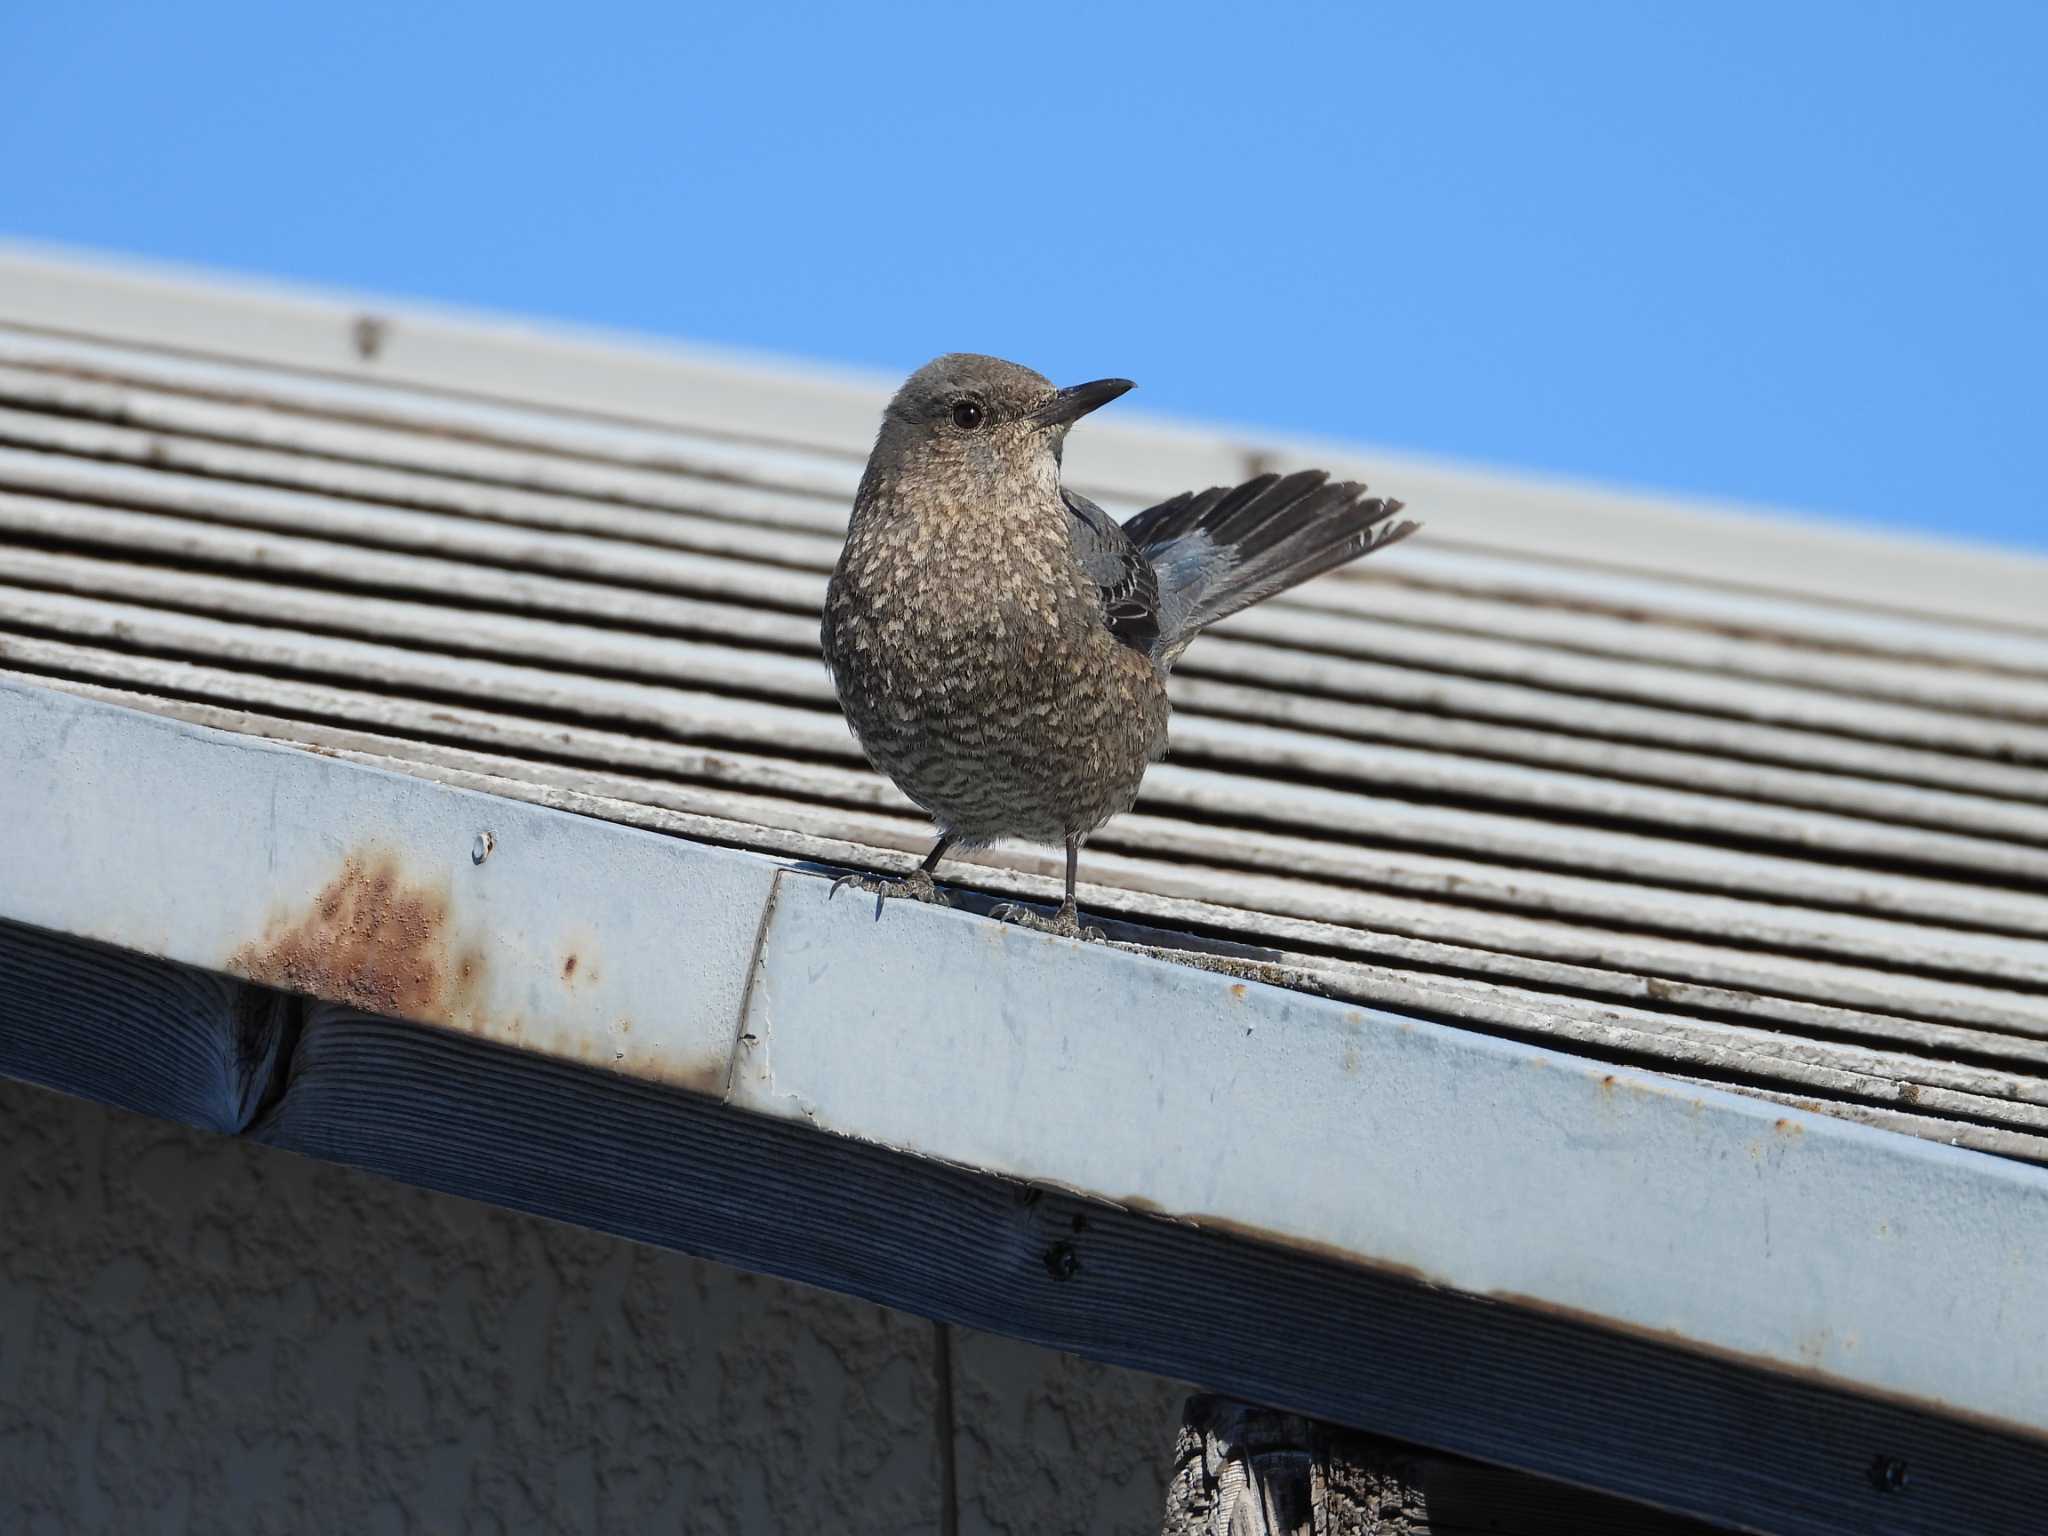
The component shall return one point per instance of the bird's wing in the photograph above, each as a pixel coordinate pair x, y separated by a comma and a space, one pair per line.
1223, 549
1123, 577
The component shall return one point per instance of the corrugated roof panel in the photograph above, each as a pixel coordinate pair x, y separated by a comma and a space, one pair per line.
564, 382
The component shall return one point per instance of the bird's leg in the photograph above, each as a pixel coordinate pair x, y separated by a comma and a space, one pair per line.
915, 886
1067, 921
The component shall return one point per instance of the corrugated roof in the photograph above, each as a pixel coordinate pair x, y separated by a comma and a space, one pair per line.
1624, 784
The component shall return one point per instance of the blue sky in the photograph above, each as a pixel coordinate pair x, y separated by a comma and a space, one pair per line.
1788, 254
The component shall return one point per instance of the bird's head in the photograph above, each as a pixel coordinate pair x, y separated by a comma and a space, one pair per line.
975, 426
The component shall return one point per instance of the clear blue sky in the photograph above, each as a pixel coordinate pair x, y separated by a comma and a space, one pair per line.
1794, 254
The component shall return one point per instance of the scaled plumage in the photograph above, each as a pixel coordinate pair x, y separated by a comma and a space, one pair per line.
1001, 644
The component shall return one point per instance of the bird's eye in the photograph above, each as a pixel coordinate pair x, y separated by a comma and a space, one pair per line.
967, 415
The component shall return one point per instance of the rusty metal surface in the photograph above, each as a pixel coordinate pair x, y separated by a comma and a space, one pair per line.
366, 888
1863, 1260
374, 941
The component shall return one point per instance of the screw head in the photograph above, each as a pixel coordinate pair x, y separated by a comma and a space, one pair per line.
1062, 1262
1888, 1475
481, 848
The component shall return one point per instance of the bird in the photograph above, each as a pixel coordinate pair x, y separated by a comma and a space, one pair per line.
1000, 644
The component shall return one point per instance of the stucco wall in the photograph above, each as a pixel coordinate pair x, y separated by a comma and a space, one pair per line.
200, 1335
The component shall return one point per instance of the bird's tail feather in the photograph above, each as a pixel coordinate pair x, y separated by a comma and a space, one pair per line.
1221, 550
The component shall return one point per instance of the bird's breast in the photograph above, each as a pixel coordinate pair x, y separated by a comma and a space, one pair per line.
930, 606
983, 681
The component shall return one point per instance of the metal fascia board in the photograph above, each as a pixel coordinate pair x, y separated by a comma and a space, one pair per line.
599, 944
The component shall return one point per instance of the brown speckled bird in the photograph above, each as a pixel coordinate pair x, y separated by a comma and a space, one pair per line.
1000, 644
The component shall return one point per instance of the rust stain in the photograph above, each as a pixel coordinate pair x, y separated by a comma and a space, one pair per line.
375, 939
1612, 1084
1789, 1129
371, 939
1141, 1205
1237, 990
581, 956
706, 1077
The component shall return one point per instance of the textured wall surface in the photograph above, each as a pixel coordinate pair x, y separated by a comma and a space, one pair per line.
1049, 1442
200, 1335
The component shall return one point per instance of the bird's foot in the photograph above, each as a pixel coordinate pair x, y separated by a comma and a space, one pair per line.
915, 886
1066, 922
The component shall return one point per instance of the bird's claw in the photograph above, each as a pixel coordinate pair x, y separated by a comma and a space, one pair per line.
1065, 923
915, 886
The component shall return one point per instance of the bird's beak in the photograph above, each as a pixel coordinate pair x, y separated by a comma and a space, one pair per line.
1077, 400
